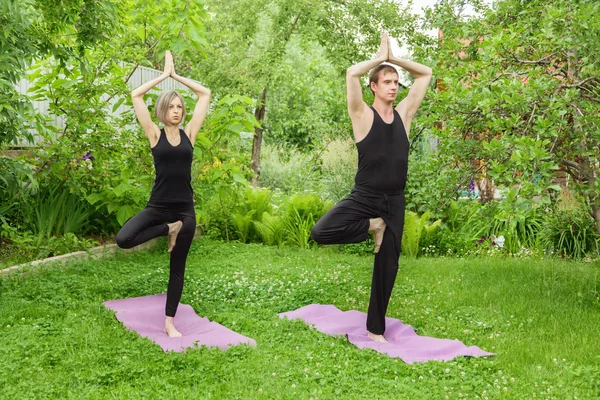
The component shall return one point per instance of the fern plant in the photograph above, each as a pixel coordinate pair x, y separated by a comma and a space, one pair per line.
271, 229
242, 224
415, 228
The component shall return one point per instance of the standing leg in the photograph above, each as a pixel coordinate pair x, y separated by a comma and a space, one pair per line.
177, 269
384, 275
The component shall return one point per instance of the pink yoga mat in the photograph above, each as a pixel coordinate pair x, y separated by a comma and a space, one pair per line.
146, 316
403, 342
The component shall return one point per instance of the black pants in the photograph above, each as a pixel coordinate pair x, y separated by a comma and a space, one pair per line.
348, 222
152, 222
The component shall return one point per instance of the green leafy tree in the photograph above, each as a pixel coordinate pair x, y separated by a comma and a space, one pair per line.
519, 95
291, 56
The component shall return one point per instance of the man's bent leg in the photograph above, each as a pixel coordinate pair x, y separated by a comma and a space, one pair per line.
346, 222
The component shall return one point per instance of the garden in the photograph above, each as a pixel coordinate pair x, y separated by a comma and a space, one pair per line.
501, 243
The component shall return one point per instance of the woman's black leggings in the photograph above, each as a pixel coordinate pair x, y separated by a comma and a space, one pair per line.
152, 222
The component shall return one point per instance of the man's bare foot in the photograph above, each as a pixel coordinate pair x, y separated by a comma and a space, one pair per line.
377, 226
174, 229
377, 338
170, 329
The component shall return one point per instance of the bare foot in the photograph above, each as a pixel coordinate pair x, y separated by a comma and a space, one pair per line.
170, 329
377, 338
174, 229
377, 226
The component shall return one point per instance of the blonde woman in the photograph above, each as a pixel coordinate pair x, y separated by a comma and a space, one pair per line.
170, 210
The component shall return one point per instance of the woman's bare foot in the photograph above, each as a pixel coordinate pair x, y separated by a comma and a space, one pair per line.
377, 338
170, 329
174, 229
377, 226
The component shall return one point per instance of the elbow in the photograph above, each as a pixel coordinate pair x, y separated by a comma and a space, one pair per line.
351, 72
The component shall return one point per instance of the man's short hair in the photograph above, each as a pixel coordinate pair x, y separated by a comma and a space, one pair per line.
163, 102
375, 73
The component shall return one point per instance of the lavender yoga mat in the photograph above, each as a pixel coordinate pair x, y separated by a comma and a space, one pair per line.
403, 342
146, 316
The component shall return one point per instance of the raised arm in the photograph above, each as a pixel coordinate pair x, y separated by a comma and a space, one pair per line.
201, 108
358, 110
139, 105
408, 107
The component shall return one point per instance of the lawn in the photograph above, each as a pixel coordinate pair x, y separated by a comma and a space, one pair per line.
541, 318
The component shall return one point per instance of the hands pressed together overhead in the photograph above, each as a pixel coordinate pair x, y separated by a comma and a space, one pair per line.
169, 65
385, 48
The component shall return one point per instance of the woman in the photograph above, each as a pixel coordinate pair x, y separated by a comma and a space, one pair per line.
170, 210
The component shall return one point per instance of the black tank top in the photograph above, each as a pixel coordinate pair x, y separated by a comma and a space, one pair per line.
383, 156
173, 165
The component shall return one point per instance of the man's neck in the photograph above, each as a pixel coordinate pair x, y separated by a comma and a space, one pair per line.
383, 107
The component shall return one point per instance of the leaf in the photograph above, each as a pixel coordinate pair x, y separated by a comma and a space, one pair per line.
239, 178
124, 213
118, 104
122, 188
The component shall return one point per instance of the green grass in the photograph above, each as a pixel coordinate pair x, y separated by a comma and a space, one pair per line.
541, 317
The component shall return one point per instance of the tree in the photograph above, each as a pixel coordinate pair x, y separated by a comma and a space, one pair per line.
34, 29
520, 95
252, 41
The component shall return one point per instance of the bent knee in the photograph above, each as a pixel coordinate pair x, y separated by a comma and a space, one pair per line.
316, 233
123, 241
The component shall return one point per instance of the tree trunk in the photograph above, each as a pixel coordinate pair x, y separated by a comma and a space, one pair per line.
259, 114
589, 179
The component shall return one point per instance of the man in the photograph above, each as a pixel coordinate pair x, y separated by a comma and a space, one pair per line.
377, 203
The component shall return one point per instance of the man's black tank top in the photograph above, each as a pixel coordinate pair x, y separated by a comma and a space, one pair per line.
173, 165
383, 156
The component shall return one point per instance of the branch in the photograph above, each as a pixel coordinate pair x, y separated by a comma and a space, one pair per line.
508, 74
540, 61
294, 24
414, 139
592, 98
571, 164
578, 84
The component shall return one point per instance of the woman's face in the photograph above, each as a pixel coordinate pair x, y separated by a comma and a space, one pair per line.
175, 111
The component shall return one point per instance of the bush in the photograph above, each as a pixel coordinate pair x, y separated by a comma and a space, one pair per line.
570, 232
338, 163
287, 169
416, 228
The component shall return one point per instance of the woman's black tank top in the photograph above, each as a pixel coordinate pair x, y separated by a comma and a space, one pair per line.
383, 156
173, 165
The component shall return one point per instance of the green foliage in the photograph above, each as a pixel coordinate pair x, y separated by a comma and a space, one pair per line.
287, 169
470, 223
220, 173
305, 205
298, 226
517, 95
16, 181
570, 233
55, 211
300, 214
271, 229
338, 168
415, 228
35, 29
243, 223
431, 185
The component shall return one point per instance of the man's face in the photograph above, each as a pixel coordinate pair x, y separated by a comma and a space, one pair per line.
387, 87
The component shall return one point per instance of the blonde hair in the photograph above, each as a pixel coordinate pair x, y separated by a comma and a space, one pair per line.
164, 101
